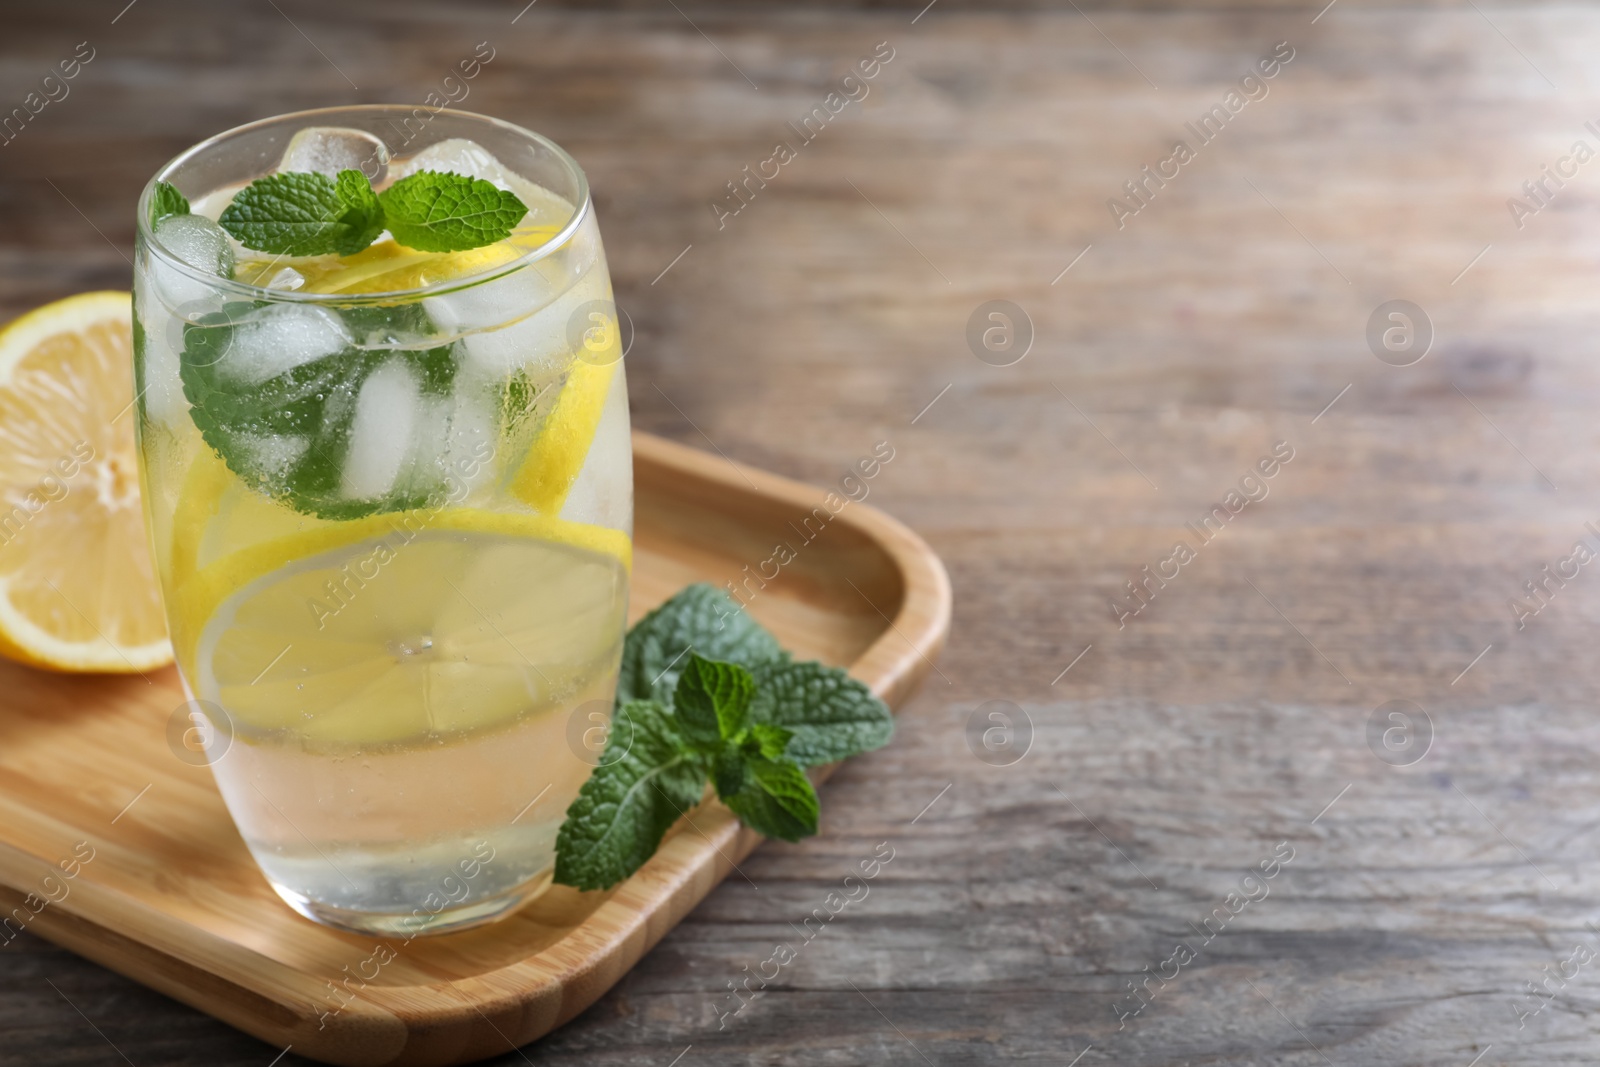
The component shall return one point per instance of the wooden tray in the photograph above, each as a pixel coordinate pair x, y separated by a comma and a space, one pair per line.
172, 899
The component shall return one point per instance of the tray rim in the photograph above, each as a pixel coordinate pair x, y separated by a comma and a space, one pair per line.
527, 999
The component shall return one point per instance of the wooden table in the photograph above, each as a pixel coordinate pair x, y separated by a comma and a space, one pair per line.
1241, 714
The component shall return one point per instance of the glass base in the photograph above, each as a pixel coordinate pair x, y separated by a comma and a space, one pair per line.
409, 924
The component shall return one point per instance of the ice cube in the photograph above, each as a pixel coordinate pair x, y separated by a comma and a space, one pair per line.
382, 431
160, 386
287, 278
199, 242
279, 338
501, 348
330, 149
200, 245
460, 156
273, 456
181, 293
542, 300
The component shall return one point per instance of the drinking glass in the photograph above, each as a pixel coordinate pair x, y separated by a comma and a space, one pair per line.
390, 497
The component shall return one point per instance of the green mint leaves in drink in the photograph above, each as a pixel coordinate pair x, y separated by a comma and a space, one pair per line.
303, 213
748, 723
440, 212
362, 217
165, 202
276, 391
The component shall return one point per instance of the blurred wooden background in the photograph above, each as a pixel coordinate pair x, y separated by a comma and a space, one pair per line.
1232, 713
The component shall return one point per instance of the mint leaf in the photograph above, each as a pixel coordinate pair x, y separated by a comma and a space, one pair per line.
831, 714
165, 202
728, 772
711, 701
629, 802
701, 619
288, 434
362, 217
771, 741
777, 800
445, 212
302, 214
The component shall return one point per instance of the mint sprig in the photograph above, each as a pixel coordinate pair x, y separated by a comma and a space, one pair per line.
362, 217
748, 723
304, 213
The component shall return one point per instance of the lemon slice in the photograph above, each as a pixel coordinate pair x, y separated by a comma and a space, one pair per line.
216, 512
199, 597
387, 267
78, 590
562, 443
409, 626
203, 488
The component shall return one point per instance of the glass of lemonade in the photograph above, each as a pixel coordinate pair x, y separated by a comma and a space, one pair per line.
390, 497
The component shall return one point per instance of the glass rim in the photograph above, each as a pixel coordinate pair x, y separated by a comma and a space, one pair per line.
562, 237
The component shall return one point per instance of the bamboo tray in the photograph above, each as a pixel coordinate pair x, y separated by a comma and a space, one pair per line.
171, 898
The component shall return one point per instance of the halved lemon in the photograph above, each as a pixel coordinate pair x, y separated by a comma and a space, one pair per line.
78, 590
407, 625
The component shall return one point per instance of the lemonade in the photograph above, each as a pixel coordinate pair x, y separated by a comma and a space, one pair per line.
389, 492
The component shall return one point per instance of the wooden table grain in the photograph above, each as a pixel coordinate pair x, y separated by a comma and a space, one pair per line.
1197, 833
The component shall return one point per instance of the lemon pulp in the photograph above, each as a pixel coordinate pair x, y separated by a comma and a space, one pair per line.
77, 583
